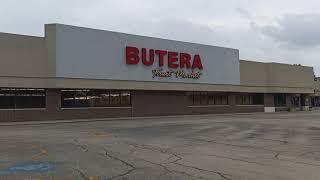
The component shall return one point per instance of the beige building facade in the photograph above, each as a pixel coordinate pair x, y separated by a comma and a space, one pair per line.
80, 73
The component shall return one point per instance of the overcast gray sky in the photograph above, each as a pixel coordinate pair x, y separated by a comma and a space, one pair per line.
285, 31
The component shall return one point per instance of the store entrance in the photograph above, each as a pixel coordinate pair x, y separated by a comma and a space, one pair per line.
315, 101
296, 102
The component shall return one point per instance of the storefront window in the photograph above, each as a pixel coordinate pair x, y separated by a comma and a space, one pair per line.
115, 98
94, 98
258, 99
204, 98
207, 98
11, 98
295, 101
80, 97
224, 100
217, 100
196, 98
250, 99
315, 101
211, 98
280, 100
125, 97
98, 98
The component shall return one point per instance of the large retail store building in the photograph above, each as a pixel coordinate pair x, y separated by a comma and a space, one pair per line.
76, 73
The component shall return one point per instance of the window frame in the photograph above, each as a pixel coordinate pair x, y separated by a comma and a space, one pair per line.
98, 93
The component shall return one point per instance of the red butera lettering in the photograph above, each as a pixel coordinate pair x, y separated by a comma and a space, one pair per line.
132, 55
172, 59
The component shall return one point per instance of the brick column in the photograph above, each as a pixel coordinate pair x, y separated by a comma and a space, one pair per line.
306, 102
269, 103
289, 104
53, 100
232, 99
268, 100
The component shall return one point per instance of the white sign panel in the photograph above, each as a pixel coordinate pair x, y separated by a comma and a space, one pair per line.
96, 54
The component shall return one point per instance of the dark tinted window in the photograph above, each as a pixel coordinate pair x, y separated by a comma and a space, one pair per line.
204, 98
125, 97
280, 100
315, 101
22, 98
196, 98
207, 98
250, 99
94, 98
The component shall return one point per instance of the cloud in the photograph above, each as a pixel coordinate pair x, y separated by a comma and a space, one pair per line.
266, 30
243, 12
294, 30
183, 30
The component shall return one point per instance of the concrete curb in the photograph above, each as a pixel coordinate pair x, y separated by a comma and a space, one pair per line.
129, 118
115, 119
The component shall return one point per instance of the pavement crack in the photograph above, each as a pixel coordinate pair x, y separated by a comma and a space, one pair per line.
171, 171
77, 144
275, 140
222, 175
157, 149
82, 174
307, 153
236, 145
173, 156
237, 159
145, 147
131, 166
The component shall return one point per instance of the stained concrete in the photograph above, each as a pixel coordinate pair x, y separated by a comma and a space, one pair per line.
235, 146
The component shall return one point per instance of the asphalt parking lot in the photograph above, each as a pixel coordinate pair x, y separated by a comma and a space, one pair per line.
235, 146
